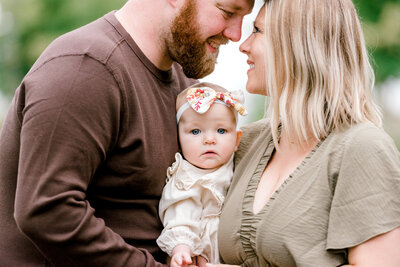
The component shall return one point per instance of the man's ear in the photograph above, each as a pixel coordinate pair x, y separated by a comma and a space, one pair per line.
238, 136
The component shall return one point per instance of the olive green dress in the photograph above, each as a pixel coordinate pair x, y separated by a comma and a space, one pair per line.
345, 192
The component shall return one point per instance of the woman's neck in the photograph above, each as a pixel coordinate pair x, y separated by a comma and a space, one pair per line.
304, 146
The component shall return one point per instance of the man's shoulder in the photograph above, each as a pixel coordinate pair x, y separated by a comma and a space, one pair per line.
97, 39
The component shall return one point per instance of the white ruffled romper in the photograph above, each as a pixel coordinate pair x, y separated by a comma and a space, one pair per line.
190, 207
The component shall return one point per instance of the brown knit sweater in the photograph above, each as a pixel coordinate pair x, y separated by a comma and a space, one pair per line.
84, 152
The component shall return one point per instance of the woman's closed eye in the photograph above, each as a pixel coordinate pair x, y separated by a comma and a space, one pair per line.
256, 29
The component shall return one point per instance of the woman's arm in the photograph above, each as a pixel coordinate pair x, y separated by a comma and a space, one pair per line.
381, 250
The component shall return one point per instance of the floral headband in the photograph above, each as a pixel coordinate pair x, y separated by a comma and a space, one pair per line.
201, 99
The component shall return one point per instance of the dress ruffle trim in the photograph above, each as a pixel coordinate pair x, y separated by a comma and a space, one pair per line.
250, 221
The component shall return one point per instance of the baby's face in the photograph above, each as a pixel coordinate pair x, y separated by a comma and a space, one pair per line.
208, 140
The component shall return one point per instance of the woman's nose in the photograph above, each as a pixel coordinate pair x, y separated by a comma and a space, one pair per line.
244, 47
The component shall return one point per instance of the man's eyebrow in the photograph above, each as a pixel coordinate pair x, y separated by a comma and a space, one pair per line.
233, 6
236, 7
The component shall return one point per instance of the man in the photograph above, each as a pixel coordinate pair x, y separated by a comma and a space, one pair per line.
91, 131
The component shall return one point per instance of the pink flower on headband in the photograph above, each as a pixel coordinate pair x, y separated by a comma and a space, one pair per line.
201, 99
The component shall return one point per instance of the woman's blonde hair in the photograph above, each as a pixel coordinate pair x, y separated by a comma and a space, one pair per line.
317, 69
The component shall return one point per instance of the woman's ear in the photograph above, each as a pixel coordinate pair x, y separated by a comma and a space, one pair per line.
238, 136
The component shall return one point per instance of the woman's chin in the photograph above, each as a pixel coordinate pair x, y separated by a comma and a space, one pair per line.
255, 90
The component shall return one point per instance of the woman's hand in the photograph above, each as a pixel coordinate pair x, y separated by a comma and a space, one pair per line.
220, 265
199, 261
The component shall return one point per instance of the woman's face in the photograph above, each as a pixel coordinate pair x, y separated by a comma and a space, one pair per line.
254, 47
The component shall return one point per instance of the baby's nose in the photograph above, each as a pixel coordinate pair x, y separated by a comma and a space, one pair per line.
209, 139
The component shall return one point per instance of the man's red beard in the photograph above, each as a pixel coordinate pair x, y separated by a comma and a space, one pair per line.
186, 47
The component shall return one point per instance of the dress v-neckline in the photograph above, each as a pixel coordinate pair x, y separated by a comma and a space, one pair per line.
259, 172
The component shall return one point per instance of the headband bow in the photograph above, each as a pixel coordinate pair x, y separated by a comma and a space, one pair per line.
201, 99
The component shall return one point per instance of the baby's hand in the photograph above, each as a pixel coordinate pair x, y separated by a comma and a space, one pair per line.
181, 256
181, 259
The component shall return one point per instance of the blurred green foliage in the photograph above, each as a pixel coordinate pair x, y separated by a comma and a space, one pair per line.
28, 26
381, 24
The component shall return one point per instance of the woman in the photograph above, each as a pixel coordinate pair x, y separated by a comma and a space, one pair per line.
316, 183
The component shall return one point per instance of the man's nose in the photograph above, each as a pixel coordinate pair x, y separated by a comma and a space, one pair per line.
233, 30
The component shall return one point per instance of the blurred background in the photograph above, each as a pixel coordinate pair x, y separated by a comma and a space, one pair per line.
28, 26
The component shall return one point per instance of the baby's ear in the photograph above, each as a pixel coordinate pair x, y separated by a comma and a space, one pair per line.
238, 136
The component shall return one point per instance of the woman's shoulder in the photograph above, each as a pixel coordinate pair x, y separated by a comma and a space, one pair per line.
363, 144
255, 127
251, 134
364, 136
252, 131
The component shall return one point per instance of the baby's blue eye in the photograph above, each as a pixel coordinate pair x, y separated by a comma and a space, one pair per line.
221, 131
195, 131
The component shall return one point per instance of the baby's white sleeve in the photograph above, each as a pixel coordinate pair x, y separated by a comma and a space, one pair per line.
180, 212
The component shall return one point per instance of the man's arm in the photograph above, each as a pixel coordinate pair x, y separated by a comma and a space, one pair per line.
72, 107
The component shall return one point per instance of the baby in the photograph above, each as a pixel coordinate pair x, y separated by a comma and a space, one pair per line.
196, 185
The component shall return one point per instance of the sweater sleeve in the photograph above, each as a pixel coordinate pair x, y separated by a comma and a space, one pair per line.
366, 195
69, 109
